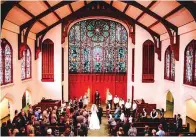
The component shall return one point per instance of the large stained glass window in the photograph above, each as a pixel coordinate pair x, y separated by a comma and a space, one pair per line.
190, 64
169, 64
26, 64
6, 64
98, 46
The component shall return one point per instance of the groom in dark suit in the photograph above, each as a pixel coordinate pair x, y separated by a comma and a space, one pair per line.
97, 97
100, 113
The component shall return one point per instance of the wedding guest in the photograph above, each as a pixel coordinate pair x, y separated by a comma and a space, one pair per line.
132, 130
116, 101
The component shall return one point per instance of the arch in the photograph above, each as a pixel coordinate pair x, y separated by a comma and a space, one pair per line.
91, 72
26, 98
47, 61
148, 61
6, 66
169, 104
190, 105
190, 64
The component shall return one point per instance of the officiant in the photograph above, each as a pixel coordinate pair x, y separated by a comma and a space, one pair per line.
97, 97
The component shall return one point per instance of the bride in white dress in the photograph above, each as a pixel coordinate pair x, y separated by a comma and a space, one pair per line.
94, 121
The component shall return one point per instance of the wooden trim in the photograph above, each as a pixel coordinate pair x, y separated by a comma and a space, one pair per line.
48, 11
70, 7
111, 12
48, 5
167, 15
133, 64
156, 16
149, 6
126, 8
30, 14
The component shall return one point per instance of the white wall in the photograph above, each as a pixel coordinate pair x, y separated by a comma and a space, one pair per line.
15, 91
51, 90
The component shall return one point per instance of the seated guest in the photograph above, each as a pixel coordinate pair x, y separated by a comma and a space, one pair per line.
128, 108
154, 114
112, 123
120, 132
49, 132
154, 132
23, 119
4, 129
38, 113
53, 117
160, 132
78, 131
132, 130
146, 130
116, 101
75, 102
122, 116
56, 131
126, 126
117, 113
130, 119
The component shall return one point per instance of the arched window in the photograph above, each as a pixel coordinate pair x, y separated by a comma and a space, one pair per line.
98, 46
47, 61
148, 61
190, 64
6, 63
169, 64
26, 64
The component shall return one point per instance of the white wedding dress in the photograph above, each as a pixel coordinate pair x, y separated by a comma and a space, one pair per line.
94, 121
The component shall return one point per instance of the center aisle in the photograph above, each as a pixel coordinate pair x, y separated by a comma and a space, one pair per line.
103, 131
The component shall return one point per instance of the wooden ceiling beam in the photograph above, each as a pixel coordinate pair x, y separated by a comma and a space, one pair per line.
167, 15
71, 8
148, 7
30, 14
78, 13
126, 8
156, 16
43, 14
48, 5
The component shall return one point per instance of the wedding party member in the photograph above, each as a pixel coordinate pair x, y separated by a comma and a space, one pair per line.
94, 120
100, 113
116, 101
85, 99
121, 102
97, 97
80, 103
109, 99
128, 108
134, 108
108, 108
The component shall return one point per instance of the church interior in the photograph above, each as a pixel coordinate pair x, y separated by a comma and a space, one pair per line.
129, 66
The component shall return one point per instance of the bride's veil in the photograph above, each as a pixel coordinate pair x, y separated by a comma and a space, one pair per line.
93, 108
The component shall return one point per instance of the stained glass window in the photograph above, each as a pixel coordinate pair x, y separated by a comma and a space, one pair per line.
169, 64
97, 46
6, 63
26, 64
190, 64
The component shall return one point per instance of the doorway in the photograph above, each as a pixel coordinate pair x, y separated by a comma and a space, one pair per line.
169, 104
